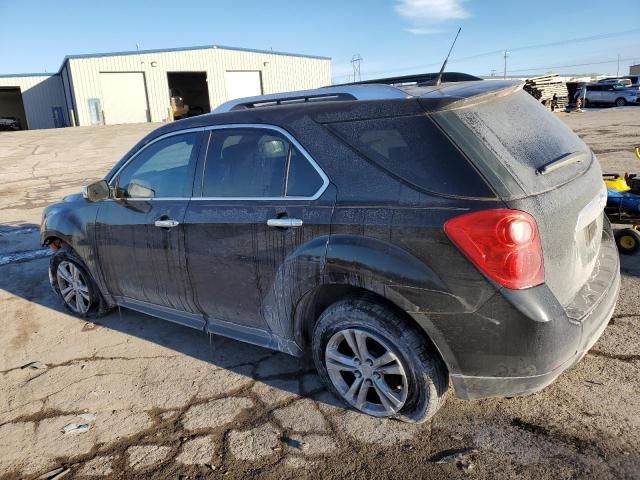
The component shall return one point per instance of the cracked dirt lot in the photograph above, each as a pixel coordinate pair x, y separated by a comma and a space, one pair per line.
143, 398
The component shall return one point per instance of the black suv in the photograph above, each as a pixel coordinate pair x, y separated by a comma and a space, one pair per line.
403, 235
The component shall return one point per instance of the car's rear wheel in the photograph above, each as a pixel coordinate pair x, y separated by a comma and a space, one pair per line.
620, 102
377, 362
72, 282
628, 241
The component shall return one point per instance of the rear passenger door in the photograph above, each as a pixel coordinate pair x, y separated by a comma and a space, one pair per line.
261, 198
595, 94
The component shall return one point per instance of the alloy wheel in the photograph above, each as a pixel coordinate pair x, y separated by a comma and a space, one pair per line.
367, 372
73, 287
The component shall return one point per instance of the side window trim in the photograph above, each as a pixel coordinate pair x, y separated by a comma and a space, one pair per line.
201, 163
288, 169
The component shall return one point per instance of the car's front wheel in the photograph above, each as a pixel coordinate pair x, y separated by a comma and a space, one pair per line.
620, 102
377, 362
73, 284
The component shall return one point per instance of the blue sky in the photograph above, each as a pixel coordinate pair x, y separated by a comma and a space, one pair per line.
392, 36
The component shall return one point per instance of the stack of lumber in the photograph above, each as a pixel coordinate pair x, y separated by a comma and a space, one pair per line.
543, 88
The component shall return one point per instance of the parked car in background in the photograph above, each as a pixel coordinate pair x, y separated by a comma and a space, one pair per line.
616, 81
10, 123
609, 94
403, 236
634, 79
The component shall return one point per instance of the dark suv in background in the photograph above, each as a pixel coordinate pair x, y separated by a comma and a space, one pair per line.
403, 234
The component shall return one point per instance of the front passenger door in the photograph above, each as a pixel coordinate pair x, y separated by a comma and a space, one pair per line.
140, 236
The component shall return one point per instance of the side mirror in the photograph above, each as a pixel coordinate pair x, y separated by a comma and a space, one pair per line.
96, 191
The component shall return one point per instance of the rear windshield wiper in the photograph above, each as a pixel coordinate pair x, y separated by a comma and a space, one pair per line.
562, 161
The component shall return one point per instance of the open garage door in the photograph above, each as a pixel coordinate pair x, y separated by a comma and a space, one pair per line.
12, 107
124, 97
188, 93
243, 84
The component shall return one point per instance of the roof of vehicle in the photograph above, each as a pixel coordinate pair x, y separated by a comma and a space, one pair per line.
348, 99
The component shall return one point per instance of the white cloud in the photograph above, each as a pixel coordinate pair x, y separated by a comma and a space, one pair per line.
424, 14
423, 31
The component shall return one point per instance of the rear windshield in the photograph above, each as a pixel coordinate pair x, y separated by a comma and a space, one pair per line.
416, 150
521, 135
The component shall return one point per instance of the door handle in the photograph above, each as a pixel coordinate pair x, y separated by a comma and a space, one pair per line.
167, 223
284, 222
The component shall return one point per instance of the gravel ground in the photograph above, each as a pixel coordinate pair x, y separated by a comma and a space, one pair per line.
143, 398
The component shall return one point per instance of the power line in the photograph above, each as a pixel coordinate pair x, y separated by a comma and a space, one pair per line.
574, 65
581, 39
496, 52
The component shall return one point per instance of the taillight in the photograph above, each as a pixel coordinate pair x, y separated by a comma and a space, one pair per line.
504, 244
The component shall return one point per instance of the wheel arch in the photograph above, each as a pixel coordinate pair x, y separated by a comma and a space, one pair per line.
311, 306
54, 241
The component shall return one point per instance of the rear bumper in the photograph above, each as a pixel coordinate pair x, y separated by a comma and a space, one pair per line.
592, 327
520, 341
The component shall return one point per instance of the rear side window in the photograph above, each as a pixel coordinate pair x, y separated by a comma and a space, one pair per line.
414, 149
257, 163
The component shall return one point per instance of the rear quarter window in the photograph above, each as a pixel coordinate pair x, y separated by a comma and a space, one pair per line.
414, 149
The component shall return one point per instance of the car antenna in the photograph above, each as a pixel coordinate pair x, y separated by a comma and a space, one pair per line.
439, 78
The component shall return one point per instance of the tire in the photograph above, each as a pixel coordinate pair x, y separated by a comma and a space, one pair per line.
67, 262
628, 241
414, 376
620, 102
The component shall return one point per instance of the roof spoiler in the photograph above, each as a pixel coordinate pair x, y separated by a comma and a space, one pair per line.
464, 94
420, 79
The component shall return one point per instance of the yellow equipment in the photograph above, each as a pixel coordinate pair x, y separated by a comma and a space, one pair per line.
618, 184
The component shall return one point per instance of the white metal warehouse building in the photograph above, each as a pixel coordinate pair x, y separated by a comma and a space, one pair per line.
131, 87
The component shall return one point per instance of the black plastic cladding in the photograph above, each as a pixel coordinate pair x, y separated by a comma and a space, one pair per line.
233, 275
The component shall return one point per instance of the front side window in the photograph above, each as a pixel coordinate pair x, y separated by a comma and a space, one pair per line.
163, 169
256, 163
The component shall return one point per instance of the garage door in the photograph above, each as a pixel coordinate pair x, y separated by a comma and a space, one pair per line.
243, 84
124, 97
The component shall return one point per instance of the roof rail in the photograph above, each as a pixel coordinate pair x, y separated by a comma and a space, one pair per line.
334, 93
420, 78
376, 89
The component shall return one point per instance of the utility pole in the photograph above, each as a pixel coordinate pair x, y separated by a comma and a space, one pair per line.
355, 62
493, 72
618, 70
506, 54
